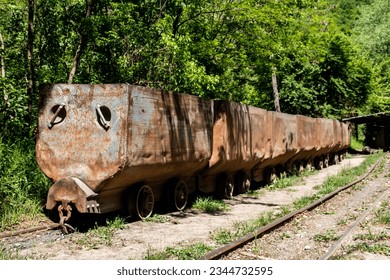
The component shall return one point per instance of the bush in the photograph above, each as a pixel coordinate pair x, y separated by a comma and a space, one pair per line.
23, 186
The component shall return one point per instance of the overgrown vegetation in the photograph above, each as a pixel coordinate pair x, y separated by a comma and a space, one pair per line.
286, 181
383, 213
100, 235
6, 254
23, 187
210, 205
225, 236
371, 242
240, 229
328, 236
381, 249
156, 218
193, 252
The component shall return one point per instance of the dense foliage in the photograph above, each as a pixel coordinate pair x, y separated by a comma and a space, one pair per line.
330, 58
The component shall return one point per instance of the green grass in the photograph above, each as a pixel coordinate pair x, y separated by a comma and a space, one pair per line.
100, 235
156, 218
6, 254
356, 145
380, 249
341, 179
224, 236
23, 187
255, 192
370, 243
372, 237
350, 217
285, 182
382, 215
210, 205
328, 236
193, 252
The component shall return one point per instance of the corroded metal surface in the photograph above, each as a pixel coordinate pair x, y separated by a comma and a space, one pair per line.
232, 137
99, 142
76, 144
112, 136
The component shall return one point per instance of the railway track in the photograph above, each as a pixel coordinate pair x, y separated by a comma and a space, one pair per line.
49, 226
224, 251
211, 255
333, 249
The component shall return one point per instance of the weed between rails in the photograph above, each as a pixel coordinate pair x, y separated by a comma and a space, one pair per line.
210, 205
101, 235
383, 213
193, 252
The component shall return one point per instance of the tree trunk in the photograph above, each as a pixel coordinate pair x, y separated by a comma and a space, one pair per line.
2, 63
80, 47
276, 92
30, 61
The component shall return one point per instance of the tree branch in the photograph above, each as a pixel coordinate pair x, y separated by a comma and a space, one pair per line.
80, 47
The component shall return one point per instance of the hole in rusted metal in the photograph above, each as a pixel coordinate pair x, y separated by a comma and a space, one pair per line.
103, 116
59, 114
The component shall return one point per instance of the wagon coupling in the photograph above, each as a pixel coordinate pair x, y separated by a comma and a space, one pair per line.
66, 209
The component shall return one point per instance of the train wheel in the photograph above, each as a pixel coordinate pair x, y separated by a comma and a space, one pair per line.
309, 165
144, 202
226, 186
271, 175
336, 159
243, 181
326, 162
180, 196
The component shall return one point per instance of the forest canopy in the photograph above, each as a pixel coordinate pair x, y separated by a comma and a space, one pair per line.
329, 58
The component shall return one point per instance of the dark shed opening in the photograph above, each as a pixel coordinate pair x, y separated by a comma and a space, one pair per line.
377, 132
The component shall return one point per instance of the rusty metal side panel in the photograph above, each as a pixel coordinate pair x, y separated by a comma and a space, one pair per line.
169, 134
343, 136
284, 137
337, 136
77, 142
261, 127
325, 130
308, 138
231, 138
347, 135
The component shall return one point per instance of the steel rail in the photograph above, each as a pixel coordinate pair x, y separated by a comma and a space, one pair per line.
219, 252
347, 233
29, 230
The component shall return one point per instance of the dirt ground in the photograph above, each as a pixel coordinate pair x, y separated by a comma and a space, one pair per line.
139, 238
314, 233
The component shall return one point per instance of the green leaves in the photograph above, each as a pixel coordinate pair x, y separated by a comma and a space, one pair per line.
217, 49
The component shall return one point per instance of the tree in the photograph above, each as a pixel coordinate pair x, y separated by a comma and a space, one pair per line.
82, 42
30, 61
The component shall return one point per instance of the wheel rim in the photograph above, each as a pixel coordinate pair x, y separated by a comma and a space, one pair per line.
229, 187
180, 196
326, 163
246, 183
145, 202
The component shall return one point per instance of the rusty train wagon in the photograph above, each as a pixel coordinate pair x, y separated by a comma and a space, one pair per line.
119, 146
